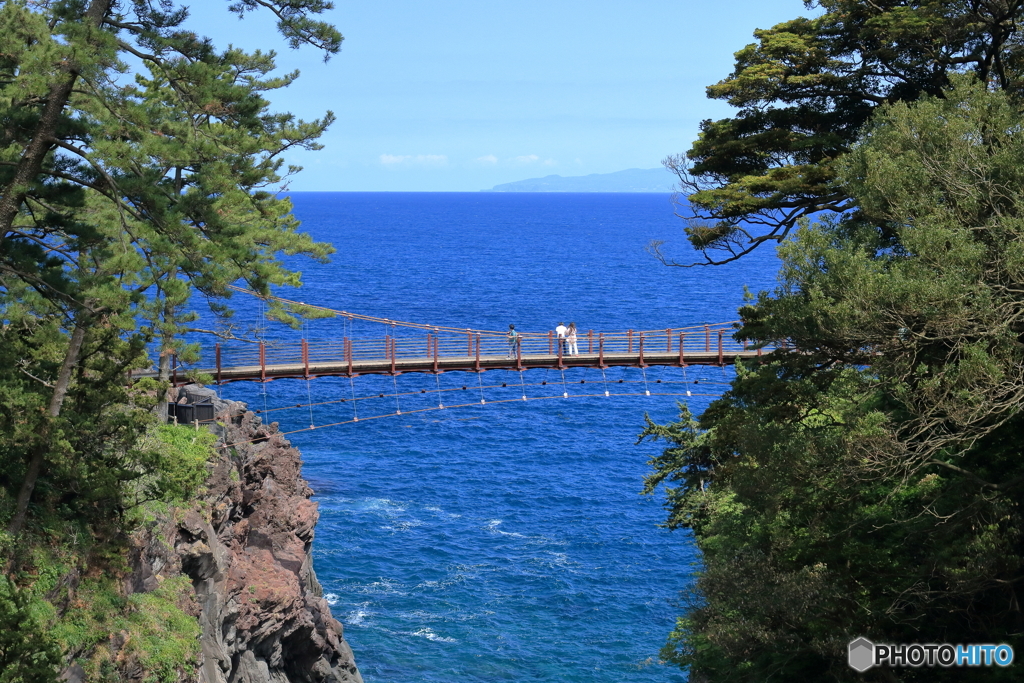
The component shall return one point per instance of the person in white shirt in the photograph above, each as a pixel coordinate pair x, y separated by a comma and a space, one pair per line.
560, 333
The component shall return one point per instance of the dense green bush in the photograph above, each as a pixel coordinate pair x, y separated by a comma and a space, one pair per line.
869, 480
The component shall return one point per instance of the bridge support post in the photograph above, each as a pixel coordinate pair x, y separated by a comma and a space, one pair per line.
600, 351
305, 358
629, 338
550, 341
435, 353
642, 363
392, 342
348, 354
478, 352
590, 341
721, 360
560, 365
682, 358
668, 341
707, 339
263, 362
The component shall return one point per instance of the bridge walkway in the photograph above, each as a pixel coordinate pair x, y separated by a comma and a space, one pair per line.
469, 351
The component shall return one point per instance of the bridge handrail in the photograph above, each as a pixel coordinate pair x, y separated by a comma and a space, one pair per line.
706, 339
427, 327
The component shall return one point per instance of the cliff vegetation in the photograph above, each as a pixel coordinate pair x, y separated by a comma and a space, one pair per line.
867, 478
139, 172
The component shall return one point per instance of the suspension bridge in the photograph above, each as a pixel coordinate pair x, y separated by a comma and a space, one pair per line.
402, 347
418, 348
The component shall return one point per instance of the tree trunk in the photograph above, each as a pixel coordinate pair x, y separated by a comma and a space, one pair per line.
166, 355
60, 390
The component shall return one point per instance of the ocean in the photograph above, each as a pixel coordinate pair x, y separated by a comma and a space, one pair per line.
503, 541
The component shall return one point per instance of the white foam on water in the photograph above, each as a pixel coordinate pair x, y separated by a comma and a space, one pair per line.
429, 634
382, 587
358, 615
493, 525
403, 525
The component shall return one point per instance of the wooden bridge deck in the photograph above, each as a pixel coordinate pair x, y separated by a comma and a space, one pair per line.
468, 351
428, 364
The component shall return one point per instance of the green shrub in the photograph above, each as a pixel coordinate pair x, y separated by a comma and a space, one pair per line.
27, 653
177, 463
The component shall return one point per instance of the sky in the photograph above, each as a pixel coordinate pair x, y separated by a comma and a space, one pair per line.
462, 95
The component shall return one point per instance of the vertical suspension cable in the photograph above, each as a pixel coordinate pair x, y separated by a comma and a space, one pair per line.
480, 381
309, 398
522, 384
355, 408
440, 403
686, 382
647, 389
309, 395
398, 406
260, 337
565, 389
605, 378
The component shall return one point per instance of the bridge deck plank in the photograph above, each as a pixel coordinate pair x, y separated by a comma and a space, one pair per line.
426, 364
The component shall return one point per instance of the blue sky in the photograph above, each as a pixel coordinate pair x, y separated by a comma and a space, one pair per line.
460, 95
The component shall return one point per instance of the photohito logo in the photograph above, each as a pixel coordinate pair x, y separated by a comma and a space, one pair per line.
864, 654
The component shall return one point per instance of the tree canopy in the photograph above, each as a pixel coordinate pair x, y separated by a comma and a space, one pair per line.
803, 92
140, 175
868, 481
139, 166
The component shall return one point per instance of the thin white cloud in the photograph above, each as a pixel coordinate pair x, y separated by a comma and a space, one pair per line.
550, 162
526, 159
396, 160
489, 160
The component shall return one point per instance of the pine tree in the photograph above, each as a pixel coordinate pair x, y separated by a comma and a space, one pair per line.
869, 482
124, 192
803, 92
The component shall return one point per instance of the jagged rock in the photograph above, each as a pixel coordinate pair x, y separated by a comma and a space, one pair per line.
246, 548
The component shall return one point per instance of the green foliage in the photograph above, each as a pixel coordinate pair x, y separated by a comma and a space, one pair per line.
869, 484
180, 460
27, 653
152, 630
802, 93
139, 166
153, 176
161, 637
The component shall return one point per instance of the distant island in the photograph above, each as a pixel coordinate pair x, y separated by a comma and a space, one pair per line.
630, 180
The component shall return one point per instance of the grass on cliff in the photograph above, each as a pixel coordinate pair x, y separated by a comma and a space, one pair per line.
64, 598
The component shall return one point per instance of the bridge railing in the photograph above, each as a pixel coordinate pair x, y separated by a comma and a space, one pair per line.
709, 339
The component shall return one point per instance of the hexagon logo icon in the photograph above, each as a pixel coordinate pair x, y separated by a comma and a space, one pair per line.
862, 654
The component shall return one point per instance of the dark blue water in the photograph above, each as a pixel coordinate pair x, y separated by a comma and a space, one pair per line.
504, 541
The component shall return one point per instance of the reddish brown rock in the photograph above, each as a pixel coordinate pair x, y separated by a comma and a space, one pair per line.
246, 548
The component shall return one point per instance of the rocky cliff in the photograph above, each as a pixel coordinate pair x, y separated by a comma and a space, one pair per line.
246, 548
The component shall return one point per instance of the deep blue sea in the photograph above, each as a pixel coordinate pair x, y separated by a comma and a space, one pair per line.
500, 542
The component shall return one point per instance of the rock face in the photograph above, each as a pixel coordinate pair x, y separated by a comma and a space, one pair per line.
247, 551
